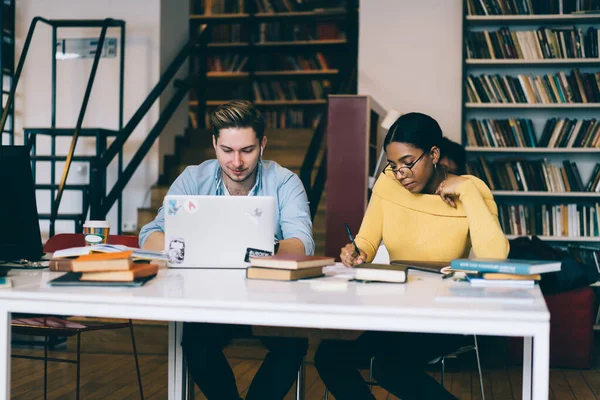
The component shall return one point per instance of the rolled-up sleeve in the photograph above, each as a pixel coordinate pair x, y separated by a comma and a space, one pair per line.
295, 213
185, 185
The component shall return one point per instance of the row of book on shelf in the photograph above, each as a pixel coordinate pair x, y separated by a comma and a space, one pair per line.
533, 175
267, 32
235, 62
514, 132
209, 7
559, 220
559, 88
528, 7
543, 43
289, 118
290, 90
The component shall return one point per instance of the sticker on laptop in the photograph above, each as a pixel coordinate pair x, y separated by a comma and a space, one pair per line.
191, 206
255, 216
173, 207
250, 252
176, 250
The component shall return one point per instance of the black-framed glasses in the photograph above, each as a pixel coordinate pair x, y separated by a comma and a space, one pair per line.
405, 171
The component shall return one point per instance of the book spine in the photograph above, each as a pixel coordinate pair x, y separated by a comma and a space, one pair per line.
507, 268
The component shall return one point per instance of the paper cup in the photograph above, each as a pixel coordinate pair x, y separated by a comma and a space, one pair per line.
96, 232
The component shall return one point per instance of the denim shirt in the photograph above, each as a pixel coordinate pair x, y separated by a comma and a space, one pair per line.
292, 210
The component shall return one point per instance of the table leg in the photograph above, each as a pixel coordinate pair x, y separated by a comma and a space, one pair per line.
541, 363
177, 383
527, 350
4, 354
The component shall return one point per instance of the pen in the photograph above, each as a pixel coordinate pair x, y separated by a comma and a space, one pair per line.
352, 239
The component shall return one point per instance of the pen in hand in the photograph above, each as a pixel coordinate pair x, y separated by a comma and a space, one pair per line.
357, 251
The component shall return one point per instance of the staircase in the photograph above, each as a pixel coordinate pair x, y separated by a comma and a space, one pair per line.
287, 147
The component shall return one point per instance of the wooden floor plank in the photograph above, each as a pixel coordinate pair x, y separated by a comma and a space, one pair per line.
105, 376
501, 389
578, 385
592, 378
461, 385
560, 386
515, 375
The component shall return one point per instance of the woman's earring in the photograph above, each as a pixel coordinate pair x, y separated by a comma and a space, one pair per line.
435, 166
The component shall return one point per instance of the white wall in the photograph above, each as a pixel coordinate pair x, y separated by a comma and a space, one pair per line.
145, 52
174, 34
410, 57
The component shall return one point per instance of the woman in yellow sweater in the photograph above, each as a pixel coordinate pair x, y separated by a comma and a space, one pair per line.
421, 213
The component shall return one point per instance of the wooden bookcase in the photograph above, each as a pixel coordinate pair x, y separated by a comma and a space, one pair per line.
279, 54
585, 158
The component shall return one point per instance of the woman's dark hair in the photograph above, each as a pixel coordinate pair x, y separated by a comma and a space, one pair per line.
417, 129
237, 114
455, 152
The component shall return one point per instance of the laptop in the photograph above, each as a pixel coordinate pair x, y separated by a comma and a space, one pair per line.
218, 231
20, 236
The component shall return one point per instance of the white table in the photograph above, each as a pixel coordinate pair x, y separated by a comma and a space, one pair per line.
225, 296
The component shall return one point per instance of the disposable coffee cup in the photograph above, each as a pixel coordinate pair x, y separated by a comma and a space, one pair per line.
96, 232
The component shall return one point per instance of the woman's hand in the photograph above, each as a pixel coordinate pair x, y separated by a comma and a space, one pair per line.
350, 258
448, 187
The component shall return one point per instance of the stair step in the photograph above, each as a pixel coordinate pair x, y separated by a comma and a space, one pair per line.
87, 132
63, 158
157, 195
145, 215
64, 217
55, 186
288, 158
276, 138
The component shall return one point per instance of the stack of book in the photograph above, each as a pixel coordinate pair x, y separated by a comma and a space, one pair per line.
390, 273
511, 272
287, 267
117, 267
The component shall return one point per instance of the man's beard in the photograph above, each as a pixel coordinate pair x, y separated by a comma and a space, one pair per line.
244, 179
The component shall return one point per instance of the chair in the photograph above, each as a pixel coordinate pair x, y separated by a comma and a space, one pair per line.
50, 326
441, 360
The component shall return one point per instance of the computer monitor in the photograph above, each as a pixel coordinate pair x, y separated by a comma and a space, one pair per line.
20, 236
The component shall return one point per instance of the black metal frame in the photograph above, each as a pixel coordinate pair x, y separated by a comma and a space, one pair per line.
55, 24
7, 6
100, 203
95, 196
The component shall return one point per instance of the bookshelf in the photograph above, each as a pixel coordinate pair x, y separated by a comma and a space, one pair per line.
284, 55
531, 115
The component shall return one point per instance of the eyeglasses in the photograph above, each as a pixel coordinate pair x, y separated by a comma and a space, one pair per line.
404, 171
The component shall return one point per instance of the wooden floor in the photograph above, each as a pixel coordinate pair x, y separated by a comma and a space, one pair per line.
105, 376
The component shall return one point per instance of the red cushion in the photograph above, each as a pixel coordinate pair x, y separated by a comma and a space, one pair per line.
572, 317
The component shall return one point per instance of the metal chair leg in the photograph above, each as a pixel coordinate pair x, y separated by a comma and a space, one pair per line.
137, 365
300, 382
78, 364
443, 370
479, 367
45, 367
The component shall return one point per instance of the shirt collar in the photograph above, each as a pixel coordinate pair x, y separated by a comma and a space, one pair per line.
222, 190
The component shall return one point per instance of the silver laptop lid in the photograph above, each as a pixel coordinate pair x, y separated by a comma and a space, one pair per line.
217, 231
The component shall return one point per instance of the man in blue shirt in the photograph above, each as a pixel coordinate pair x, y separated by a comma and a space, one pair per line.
239, 141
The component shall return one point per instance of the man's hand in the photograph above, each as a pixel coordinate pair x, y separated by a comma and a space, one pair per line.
155, 241
350, 258
291, 246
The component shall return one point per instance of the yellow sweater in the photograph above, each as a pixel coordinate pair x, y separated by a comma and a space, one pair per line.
421, 227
